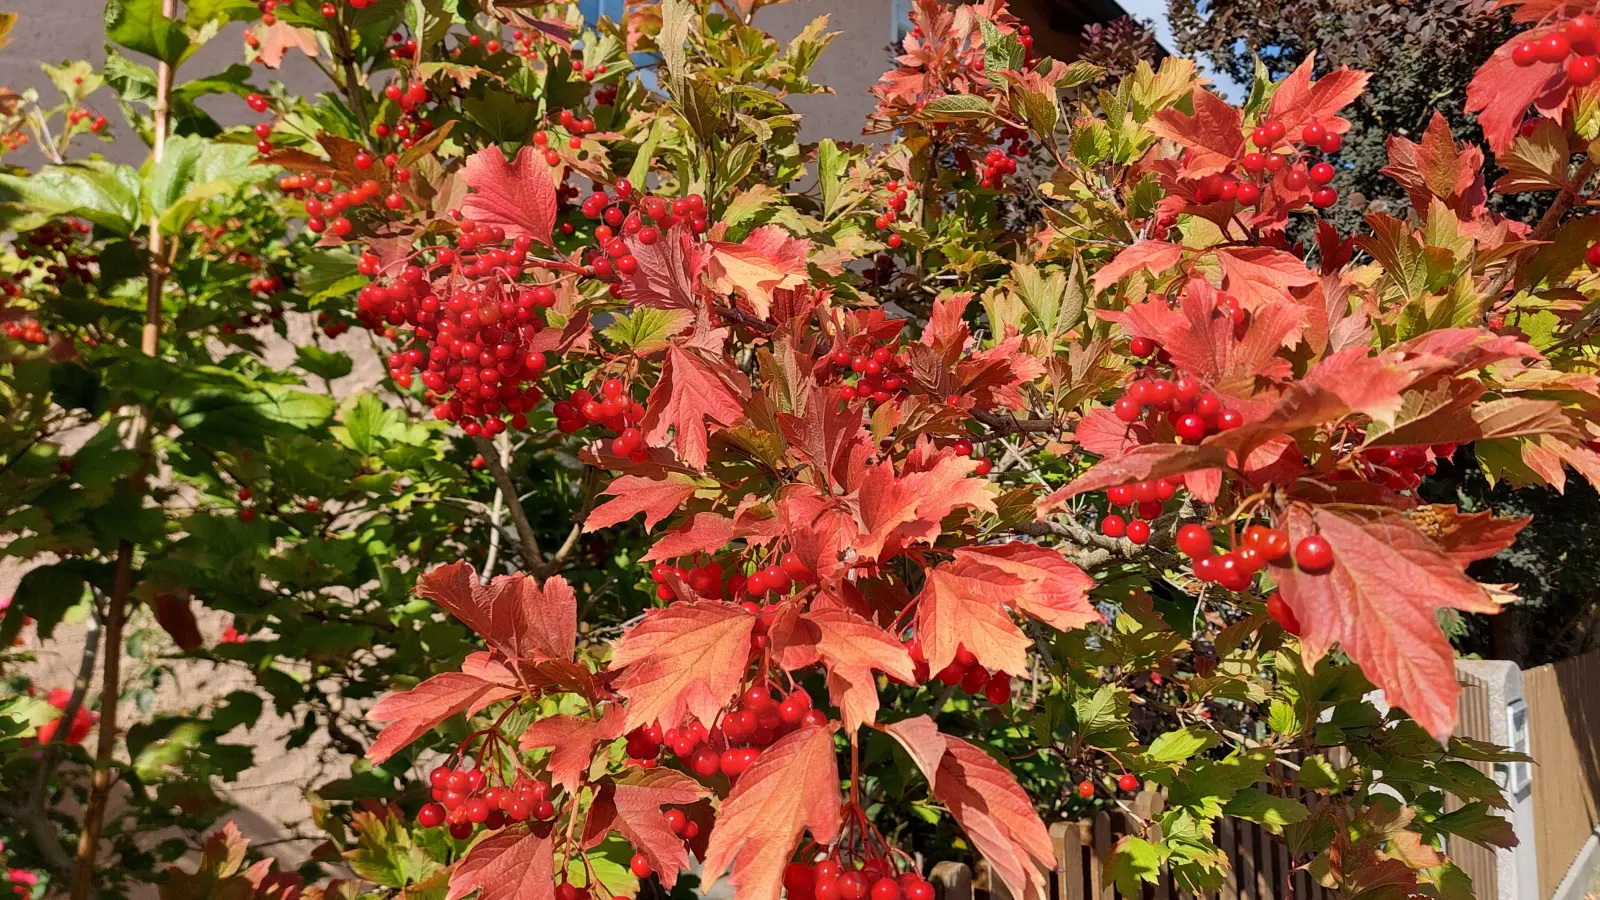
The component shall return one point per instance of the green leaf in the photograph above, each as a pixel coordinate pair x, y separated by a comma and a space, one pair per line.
1256, 805
46, 593
330, 273
363, 420
956, 108
106, 194
1282, 718
1177, 746
218, 415
192, 171
140, 26
1317, 774
1044, 297
325, 364
1001, 52
504, 116
1477, 824
831, 165
1077, 74
1134, 860
646, 330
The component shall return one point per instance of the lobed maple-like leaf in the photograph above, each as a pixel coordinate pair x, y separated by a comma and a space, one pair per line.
985, 800
793, 785
1261, 276
851, 649
574, 739
1045, 584
1139, 464
1378, 601
1501, 91
690, 392
1212, 135
519, 196
960, 605
1149, 256
1297, 101
657, 498
1469, 537
413, 713
513, 613
701, 533
1437, 167
688, 658
630, 804
1100, 432
894, 511
668, 270
516, 863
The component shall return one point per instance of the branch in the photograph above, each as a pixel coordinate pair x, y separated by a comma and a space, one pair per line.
42, 831
1545, 228
1000, 426
740, 317
503, 449
527, 541
80, 687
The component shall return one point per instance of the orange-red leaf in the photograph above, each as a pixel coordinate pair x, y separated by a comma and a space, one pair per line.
986, 801
1212, 135
413, 713
961, 606
1298, 101
1138, 464
1262, 276
630, 804
519, 197
657, 498
691, 391
574, 739
1501, 90
851, 648
702, 533
686, 658
1043, 583
895, 511
792, 786
513, 613
512, 864
1377, 602
1150, 256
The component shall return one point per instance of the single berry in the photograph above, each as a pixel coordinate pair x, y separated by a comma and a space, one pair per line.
1128, 782
1085, 789
1313, 553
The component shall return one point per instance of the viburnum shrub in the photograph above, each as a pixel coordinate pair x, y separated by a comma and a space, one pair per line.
969, 499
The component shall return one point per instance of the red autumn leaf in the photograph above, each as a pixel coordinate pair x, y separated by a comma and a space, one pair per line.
825, 435
994, 377
961, 606
1149, 256
894, 511
513, 613
630, 804
986, 801
851, 648
511, 864
793, 785
1298, 101
1045, 585
1100, 432
1139, 464
1501, 90
768, 260
1212, 135
668, 270
702, 533
1469, 537
1437, 167
413, 713
686, 658
1378, 601
574, 739
1200, 339
281, 37
519, 197
690, 392
1262, 276
657, 498
947, 330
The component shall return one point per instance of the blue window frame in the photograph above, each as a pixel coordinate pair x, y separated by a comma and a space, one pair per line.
593, 10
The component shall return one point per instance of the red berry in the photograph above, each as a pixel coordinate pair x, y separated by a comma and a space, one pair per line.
1085, 789
1195, 541
431, 815
1127, 409
639, 866
1324, 197
1322, 173
885, 889
1128, 782
1582, 70
1141, 347
1113, 526
1139, 531
998, 691
1553, 48
1313, 553
1312, 134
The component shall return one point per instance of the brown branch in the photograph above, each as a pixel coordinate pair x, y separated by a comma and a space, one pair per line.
527, 541
1001, 426
740, 317
1546, 227
122, 581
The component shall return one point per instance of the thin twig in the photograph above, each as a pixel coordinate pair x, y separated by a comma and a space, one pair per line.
527, 541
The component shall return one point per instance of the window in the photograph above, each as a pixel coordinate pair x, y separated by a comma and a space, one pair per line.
1518, 775
899, 22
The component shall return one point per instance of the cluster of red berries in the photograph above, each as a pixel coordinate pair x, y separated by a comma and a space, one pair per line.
28, 331
408, 96
402, 47
868, 370
472, 347
1146, 500
252, 320
14, 140
895, 198
52, 252
626, 218
332, 326
1127, 782
828, 879
327, 213
1191, 410
610, 407
463, 798
732, 745
964, 671
96, 122
1402, 468
1574, 46
1262, 545
1266, 162
963, 447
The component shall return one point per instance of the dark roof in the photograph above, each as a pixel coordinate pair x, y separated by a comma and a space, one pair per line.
1071, 16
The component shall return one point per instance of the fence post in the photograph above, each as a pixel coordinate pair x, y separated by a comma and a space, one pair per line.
952, 881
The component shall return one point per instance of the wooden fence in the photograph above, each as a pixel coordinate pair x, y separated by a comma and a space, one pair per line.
1472, 721
1564, 739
